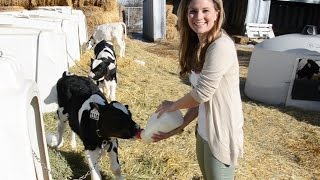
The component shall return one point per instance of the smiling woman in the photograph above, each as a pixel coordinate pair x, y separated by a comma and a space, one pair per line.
202, 17
215, 98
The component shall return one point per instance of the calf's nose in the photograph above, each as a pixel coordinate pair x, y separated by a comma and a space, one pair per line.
91, 75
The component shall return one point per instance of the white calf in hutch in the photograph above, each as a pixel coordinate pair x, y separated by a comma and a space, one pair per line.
285, 71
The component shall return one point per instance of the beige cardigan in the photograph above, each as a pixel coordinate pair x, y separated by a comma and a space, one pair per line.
218, 88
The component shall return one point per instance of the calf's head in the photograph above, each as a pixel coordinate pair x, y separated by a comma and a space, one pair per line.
91, 43
115, 120
314, 67
101, 67
104, 46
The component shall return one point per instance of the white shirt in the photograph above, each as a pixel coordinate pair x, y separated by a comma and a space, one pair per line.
193, 78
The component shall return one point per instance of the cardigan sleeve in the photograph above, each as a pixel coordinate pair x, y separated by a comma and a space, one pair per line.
219, 58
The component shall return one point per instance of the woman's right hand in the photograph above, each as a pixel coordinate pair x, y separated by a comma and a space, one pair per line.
161, 135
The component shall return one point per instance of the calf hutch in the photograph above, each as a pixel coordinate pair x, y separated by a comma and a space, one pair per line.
24, 150
74, 14
73, 24
275, 69
42, 55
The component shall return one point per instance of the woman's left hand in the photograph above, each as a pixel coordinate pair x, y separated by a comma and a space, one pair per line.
165, 106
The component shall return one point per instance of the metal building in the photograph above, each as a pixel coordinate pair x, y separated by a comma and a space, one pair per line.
286, 16
154, 20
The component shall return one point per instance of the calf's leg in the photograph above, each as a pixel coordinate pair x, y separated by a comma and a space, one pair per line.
122, 45
123, 48
93, 158
101, 86
114, 162
63, 118
73, 142
111, 86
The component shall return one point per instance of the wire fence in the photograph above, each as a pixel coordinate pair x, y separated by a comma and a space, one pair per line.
133, 17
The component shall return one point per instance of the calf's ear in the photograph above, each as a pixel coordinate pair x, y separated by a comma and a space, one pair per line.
92, 60
127, 106
94, 105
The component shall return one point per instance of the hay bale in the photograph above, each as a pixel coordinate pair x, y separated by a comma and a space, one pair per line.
61, 2
51, 3
11, 8
97, 15
78, 3
15, 3
108, 5
169, 9
171, 33
172, 20
171, 23
34, 3
111, 5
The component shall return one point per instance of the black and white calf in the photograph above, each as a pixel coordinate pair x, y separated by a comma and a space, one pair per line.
94, 120
104, 68
307, 68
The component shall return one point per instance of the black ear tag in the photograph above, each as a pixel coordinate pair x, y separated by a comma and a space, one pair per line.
94, 114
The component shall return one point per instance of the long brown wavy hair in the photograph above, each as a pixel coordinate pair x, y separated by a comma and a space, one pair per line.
191, 52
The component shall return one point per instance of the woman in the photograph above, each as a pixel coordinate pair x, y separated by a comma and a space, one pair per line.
208, 56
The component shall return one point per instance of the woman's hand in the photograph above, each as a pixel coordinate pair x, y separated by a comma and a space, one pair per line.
161, 135
168, 106
165, 106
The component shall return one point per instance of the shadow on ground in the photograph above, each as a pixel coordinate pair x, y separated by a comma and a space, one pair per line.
79, 166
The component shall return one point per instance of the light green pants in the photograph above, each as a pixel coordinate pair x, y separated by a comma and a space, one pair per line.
212, 168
